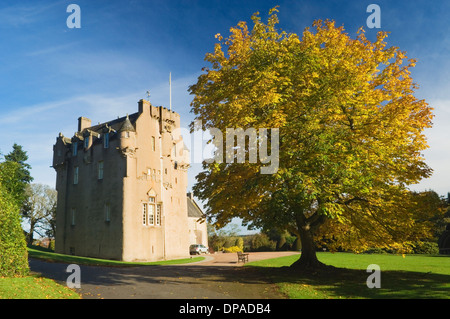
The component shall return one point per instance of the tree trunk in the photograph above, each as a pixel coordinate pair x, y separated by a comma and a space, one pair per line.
306, 228
308, 258
30, 238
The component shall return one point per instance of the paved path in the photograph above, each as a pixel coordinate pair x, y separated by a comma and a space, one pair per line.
219, 276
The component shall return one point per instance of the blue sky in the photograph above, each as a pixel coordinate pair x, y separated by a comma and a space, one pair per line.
50, 74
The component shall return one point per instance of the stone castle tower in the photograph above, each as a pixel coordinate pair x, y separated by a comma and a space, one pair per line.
122, 188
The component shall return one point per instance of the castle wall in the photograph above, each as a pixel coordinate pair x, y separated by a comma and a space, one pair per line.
90, 232
151, 173
140, 169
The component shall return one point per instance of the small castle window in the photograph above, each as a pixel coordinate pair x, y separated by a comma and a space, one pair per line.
72, 217
106, 140
153, 144
158, 214
100, 170
144, 214
75, 175
74, 148
107, 213
86, 142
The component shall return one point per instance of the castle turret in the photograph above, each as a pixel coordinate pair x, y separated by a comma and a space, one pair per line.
127, 135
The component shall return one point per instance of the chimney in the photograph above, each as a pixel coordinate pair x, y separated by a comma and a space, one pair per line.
144, 106
83, 122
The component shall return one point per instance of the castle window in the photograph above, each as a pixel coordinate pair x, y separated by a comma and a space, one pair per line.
151, 214
100, 170
75, 175
151, 211
74, 148
144, 214
106, 140
107, 213
86, 142
153, 144
72, 216
158, 214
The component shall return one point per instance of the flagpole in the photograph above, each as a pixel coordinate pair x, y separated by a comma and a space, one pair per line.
170, 90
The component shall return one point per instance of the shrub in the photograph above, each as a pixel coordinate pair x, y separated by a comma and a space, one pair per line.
232, 249
52, 245
13, 249
229, 242
286, 242
239, 243
261, 242
220, 242
425, 247
216, 242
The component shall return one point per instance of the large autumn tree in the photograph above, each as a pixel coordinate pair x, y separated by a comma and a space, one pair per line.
351, 133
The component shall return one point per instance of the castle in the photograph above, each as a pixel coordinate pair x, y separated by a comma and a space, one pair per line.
122, 189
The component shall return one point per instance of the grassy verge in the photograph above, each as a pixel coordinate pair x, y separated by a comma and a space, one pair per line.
35, 252
34, 287
410, 276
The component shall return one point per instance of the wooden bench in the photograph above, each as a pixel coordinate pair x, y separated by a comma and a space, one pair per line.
242, 257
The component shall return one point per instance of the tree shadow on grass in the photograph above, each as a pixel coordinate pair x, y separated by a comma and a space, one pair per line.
336, 283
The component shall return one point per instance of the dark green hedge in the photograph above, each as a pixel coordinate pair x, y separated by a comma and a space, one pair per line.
13, 249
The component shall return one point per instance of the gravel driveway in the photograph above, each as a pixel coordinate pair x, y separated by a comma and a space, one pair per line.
219, 276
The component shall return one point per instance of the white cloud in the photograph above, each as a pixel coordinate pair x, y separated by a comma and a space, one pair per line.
438, 154
20, 14
51, 49
36, 127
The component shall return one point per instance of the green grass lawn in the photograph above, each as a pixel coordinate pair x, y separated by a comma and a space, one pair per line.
409, 276
34, 287
39, 253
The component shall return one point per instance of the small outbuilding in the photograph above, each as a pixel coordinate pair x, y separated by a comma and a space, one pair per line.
197, 222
